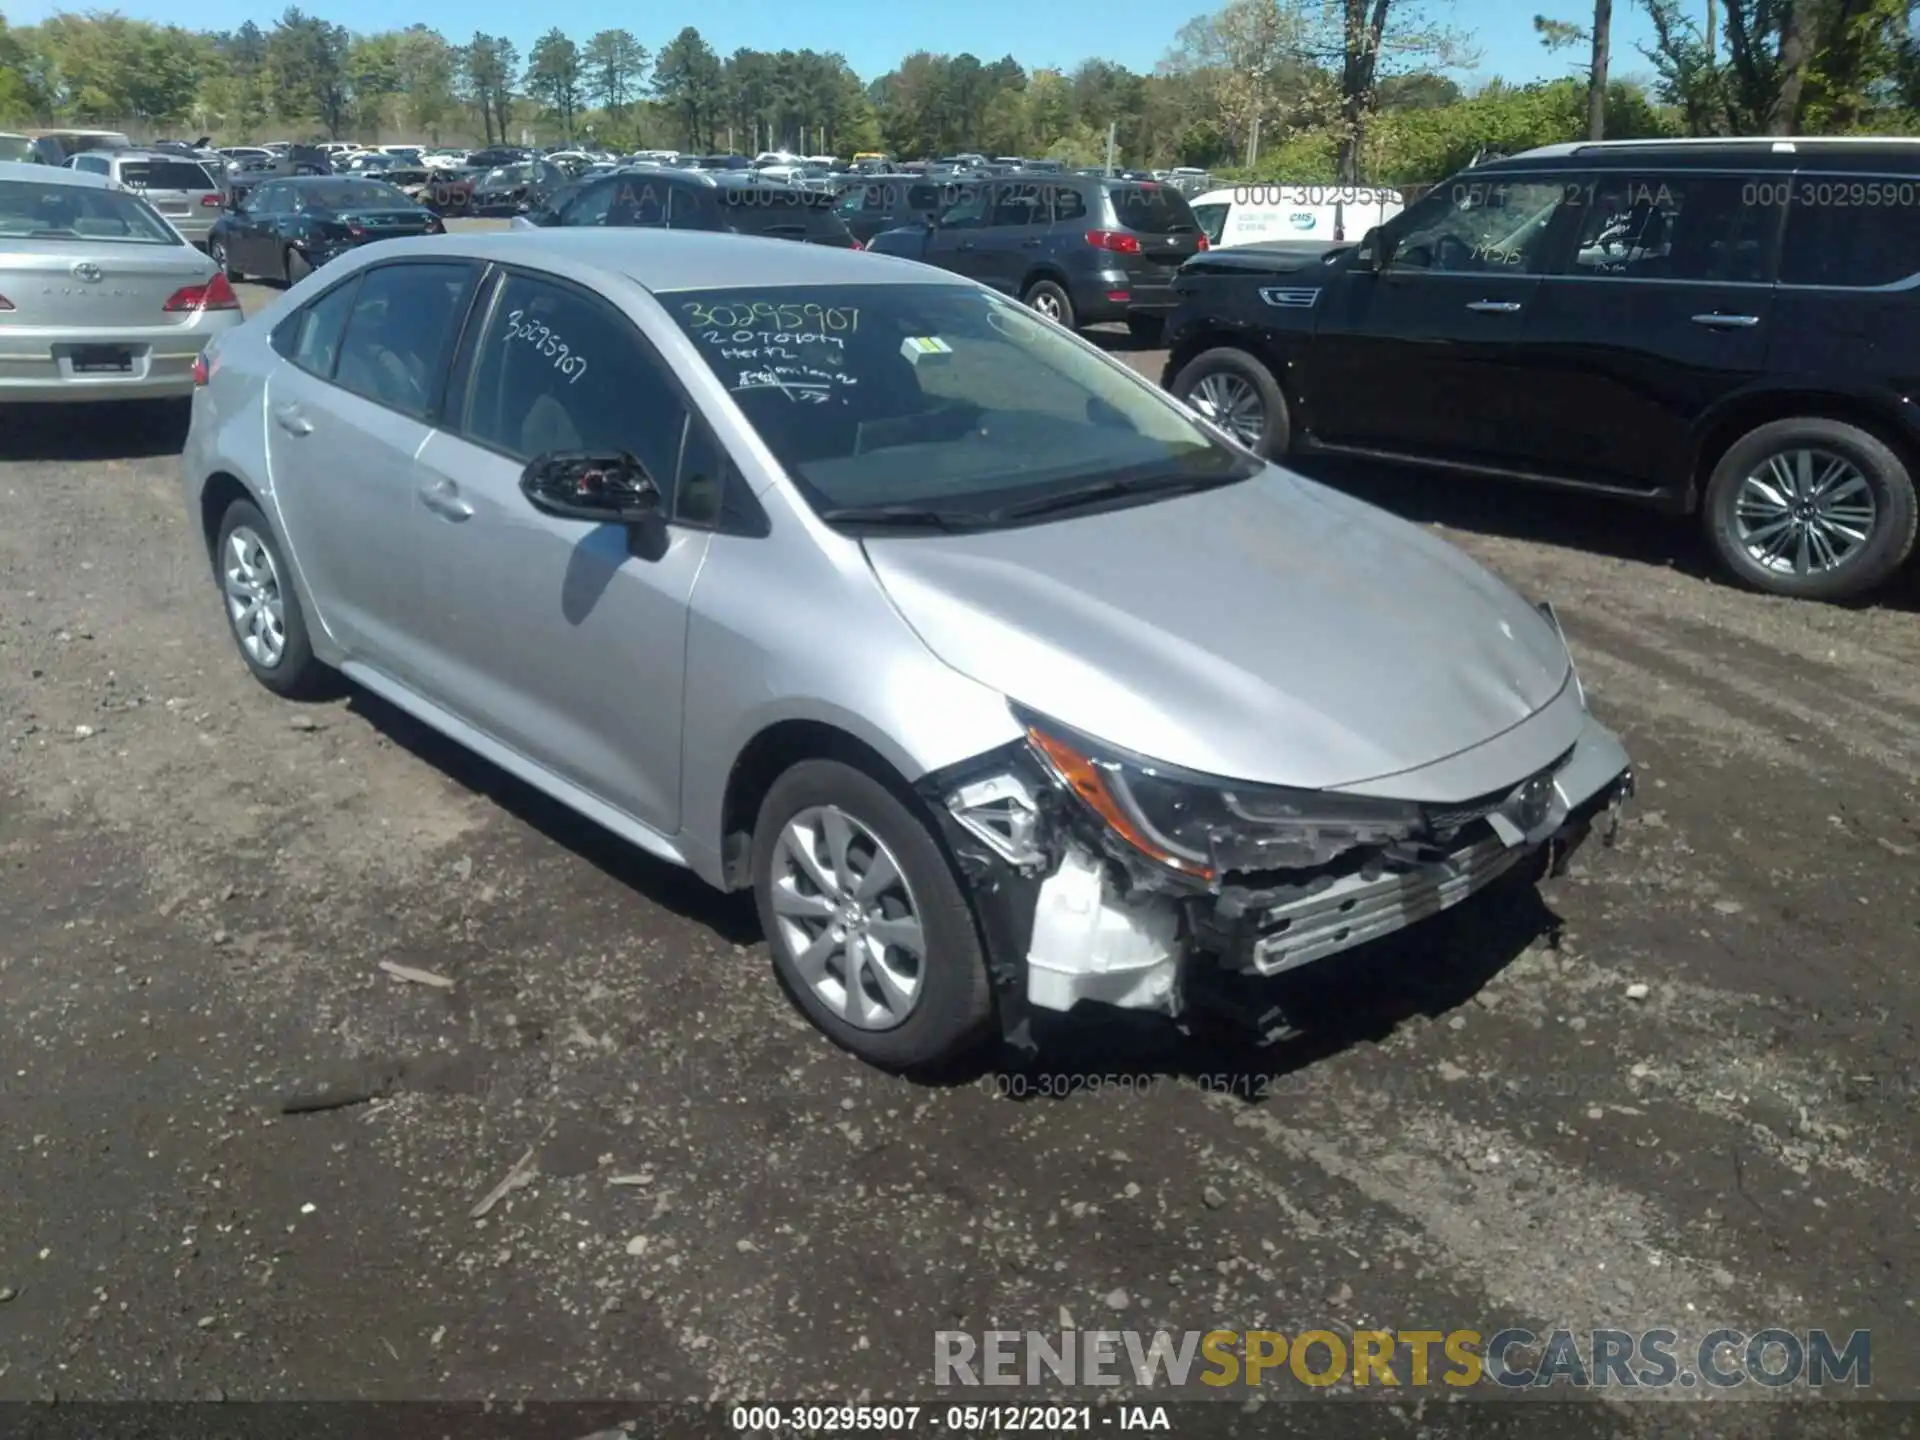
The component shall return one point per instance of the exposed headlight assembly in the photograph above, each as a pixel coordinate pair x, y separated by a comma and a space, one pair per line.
1204, 826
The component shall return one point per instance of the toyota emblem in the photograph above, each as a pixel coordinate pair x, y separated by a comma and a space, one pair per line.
88, 271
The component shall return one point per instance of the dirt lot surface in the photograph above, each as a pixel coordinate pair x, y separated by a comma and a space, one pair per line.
1675, 1089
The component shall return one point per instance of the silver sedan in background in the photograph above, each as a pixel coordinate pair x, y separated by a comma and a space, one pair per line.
1002, 680
100, 298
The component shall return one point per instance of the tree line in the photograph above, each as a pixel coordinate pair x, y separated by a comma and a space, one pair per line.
1304, 90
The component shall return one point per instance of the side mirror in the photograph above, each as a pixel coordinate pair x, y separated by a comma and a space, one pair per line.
606, 489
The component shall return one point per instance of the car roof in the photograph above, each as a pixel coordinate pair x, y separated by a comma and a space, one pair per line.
662, 261
53, 175
1711, 152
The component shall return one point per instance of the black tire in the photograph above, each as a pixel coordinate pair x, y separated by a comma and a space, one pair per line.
1271, 434
298, 266
217, 248
296, 674
955, 1000
1052, 301
1147, 330
1889, 481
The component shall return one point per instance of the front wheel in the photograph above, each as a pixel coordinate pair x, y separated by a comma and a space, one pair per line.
867, 924
1811, 507
1240, 395
1052, 301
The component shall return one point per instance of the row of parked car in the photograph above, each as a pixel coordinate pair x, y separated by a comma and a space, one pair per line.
1713, 329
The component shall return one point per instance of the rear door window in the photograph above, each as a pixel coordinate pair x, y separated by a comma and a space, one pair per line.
1153, 209
310, 338
1852, 233
1718, 228
165, 175
405, 322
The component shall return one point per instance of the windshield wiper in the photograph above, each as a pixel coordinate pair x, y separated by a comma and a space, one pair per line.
1101, 490
904, 516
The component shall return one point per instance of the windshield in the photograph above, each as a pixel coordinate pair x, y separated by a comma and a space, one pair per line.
353, 195
508, 175
78, 212
937, 395
16, 147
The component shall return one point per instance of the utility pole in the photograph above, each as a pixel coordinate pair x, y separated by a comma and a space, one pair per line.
1113, 135
1713, 42
1253, 144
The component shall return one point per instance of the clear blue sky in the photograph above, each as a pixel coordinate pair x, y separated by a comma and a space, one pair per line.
874, 34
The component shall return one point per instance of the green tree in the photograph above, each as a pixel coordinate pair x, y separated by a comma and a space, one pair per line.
487, 65
307, 70
427, 68
373, 74
616, 69
690, 82
554, 77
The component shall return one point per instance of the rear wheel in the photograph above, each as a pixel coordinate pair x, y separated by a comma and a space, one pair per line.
1052, 301
1240, 395
298, 266
263, 612
867, 924
1811, 507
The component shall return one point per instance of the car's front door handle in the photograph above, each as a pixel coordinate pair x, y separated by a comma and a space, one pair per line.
1717, 321
443, 498
1033, 244
965, 245
291, 420
1495, 307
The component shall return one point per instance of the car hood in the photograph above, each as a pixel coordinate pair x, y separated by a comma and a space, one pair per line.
1272, 631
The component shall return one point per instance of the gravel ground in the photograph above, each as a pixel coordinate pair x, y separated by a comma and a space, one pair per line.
1673, 1089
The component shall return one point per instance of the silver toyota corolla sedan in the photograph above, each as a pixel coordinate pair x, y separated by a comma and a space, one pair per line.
100, 298
1002, 680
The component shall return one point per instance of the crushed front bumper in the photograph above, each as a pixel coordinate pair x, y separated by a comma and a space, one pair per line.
1066, 920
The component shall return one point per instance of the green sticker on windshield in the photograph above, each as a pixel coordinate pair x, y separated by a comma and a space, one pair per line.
925, 349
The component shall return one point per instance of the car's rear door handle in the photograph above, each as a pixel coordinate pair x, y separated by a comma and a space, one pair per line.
1033, 244
1717, 321
291, 420
965, 245
1495, 307
443, 498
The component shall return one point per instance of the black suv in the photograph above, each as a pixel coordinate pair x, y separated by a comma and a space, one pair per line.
1728, 328
1081, 251
674, 199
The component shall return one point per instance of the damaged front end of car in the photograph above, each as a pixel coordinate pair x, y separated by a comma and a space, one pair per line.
1101, 876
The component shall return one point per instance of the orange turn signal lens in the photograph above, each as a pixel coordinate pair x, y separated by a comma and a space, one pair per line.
1084, 778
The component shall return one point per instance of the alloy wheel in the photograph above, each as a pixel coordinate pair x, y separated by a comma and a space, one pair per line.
1804, 511
1231, 403
848, 918
1047, 305
255, 607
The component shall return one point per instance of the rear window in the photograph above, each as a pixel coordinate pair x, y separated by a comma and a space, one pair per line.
165, 175
785, 214
16, 147
61, 214
1152, 209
